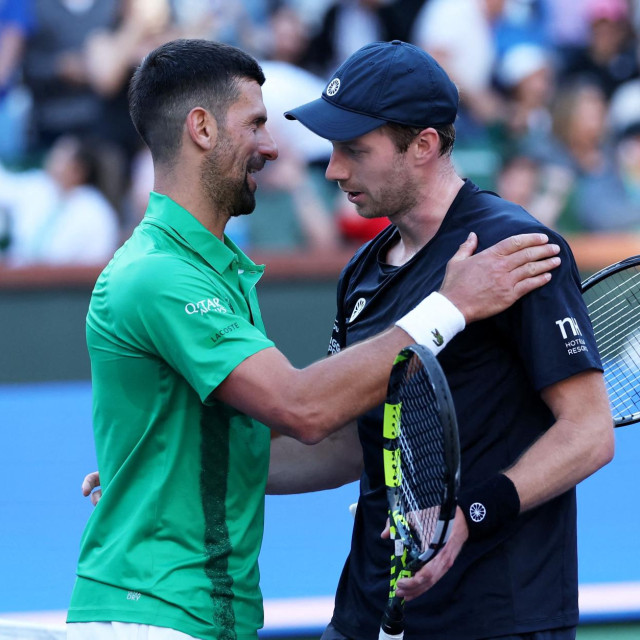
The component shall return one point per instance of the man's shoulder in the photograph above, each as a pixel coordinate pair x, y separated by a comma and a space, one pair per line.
493, 218
140, 276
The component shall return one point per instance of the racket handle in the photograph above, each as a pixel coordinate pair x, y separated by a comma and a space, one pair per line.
392, 625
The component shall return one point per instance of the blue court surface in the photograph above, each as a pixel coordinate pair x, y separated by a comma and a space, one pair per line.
47, 448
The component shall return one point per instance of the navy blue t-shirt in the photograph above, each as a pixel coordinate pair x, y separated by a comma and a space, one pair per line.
525, 578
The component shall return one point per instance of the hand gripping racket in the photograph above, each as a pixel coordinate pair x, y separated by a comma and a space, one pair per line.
422, 470
612, 297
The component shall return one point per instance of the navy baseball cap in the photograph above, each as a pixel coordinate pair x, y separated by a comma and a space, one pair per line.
381, 82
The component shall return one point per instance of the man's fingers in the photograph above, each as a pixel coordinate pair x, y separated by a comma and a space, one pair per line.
534, 268
421, 581
512, 244
95, 497
90, 482
467, 248
525, 286
533, 275
531, 255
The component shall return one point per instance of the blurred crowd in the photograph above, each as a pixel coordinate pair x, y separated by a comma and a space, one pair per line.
549, 117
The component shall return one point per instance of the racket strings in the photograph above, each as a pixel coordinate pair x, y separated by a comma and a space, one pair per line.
613, 307
422, 483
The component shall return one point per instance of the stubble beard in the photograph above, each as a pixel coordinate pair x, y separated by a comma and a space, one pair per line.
227, 194
399, 196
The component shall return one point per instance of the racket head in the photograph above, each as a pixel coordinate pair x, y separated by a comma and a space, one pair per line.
421, 456
612, 297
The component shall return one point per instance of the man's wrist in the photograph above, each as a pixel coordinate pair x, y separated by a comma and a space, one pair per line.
433, 322
490, 506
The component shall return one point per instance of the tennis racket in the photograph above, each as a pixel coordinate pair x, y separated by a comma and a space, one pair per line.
612, 297
422, 470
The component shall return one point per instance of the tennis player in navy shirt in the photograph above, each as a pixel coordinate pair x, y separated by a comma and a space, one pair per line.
527, 384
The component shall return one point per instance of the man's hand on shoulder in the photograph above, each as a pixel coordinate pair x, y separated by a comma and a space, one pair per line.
489, 282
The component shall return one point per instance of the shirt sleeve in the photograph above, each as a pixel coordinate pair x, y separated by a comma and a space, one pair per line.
185, 317
551, 326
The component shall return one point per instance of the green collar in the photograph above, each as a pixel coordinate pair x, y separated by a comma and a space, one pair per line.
169, 215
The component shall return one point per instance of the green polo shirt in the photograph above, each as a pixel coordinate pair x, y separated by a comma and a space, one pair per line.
174, 541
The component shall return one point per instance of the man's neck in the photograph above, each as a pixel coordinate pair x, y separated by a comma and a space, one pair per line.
418, 226
192, 201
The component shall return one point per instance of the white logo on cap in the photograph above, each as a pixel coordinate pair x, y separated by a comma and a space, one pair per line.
333, 87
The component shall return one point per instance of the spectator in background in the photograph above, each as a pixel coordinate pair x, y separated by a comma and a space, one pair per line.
523, 22
459, 35
290, 214
347, 25
624, 118
287, 80
58, 215
16, 21
526, 77
243, 24
568, 24
580, 142
111, 53
608, 57
64, 102
295, 208
541, 189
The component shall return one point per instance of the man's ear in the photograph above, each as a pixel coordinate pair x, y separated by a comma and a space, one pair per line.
426, 144
202, 128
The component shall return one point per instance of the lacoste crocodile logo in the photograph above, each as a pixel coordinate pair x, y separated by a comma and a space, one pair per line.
438, 340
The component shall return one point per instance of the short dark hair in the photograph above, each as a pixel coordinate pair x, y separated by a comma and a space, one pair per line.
178, 76
403, 135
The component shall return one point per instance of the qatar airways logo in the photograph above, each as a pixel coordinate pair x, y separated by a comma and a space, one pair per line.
204, 306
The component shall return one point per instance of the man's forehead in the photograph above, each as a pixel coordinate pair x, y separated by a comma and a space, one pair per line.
372, 137
249, 98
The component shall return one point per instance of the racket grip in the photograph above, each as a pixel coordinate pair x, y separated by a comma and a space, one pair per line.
392, 626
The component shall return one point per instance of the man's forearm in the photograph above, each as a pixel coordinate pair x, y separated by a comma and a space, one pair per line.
298, 468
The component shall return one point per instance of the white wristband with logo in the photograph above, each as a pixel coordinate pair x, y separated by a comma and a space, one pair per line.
433, 322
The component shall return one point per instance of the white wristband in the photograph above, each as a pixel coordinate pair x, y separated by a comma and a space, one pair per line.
433, 323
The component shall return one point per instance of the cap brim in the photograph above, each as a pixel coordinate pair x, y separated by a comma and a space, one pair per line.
331, 122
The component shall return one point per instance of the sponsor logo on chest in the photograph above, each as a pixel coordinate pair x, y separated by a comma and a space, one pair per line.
205, 306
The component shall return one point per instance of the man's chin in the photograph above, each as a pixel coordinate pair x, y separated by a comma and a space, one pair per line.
244, 209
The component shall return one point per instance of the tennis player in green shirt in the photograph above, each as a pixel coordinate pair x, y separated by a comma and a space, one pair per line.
187, 385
